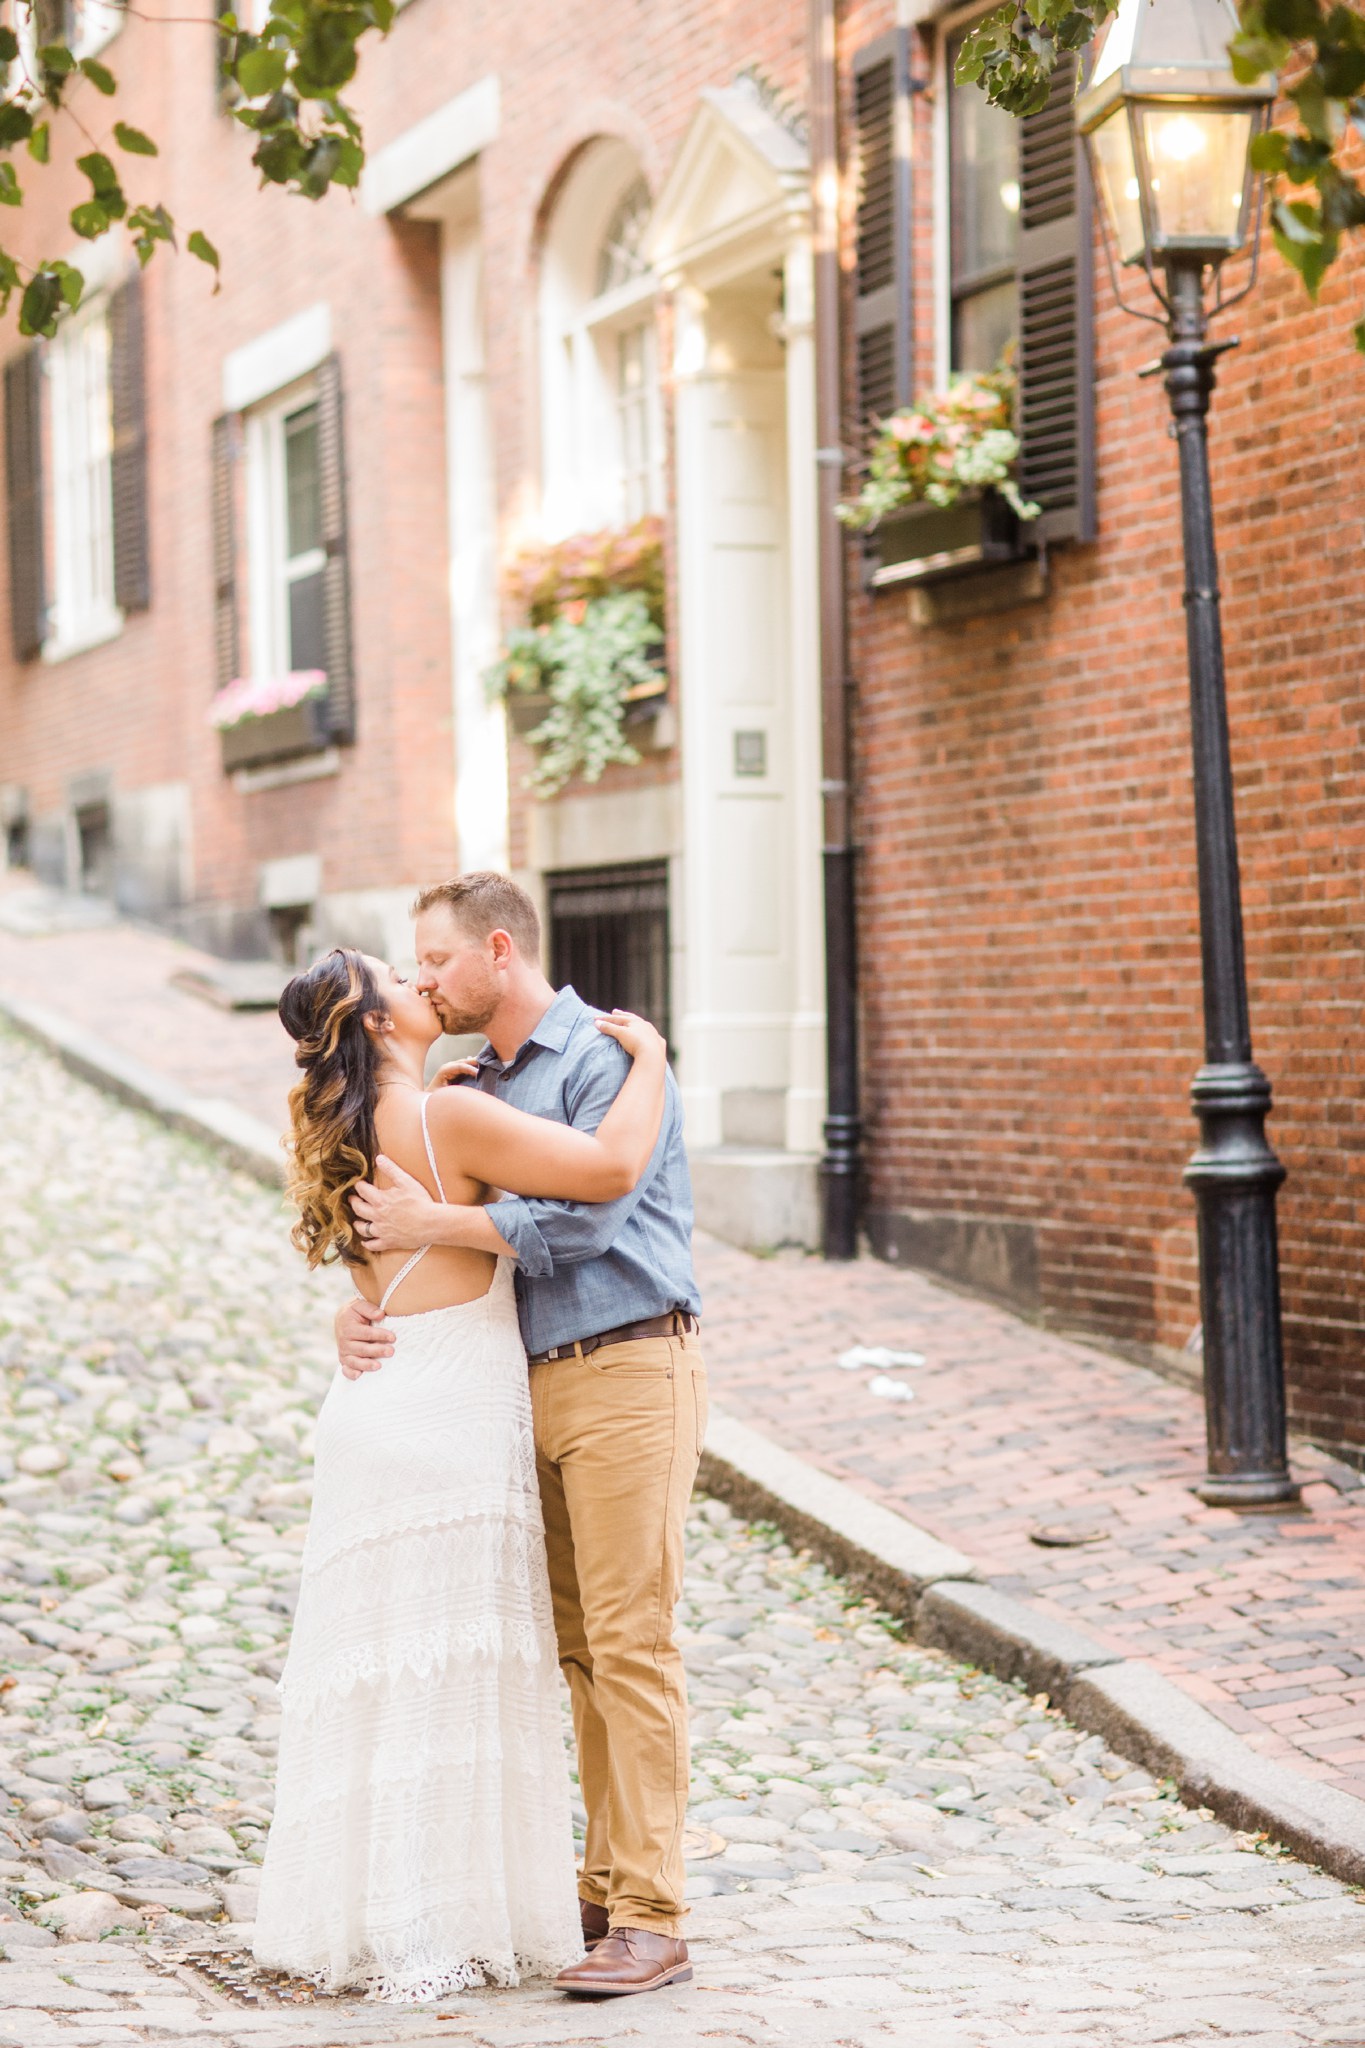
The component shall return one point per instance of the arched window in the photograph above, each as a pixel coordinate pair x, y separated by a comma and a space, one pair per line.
601, 427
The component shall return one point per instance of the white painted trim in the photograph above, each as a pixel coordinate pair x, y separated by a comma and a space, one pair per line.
278, 357
480, 731
431, 149
107, 626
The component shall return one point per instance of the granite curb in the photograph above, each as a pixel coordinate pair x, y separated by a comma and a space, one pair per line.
939, 1594
936, 1590
243, 1140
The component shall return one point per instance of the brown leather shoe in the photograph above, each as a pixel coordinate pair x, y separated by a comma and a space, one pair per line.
595, 1922
628, 1959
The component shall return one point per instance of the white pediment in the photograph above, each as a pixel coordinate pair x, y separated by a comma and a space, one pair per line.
740, 178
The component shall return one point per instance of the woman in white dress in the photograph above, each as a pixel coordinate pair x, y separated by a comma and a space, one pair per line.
421, 1840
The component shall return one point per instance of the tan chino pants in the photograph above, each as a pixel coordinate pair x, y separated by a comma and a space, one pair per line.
618, 1437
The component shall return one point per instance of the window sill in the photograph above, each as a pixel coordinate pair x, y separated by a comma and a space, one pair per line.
307, 768
96, 633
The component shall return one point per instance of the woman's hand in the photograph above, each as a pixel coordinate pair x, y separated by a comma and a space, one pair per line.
452, 1072
635, 1035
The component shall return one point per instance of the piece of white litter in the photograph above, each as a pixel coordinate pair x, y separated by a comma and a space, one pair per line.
863, 1355
889, 1389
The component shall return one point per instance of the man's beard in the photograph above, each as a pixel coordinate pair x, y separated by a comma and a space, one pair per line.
464, 1022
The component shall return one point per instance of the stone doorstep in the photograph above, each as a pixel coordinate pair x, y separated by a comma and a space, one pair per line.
1140, 1713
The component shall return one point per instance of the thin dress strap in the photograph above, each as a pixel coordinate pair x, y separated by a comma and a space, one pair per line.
401, 1275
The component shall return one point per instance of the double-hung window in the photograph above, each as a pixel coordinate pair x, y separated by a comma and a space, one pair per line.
285, 537
1015, 276
83, 606
983, 225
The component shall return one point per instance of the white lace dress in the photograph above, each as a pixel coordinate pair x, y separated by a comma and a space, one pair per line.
421, 1840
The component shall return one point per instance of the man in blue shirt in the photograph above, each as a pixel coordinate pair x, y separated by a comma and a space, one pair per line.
608, 1305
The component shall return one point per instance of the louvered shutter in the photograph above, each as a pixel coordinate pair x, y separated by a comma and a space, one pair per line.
336, 582
1056, 319
24, 494
881, 138
226, 659
128, 464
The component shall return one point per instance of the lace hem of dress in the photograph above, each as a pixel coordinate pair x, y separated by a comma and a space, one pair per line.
424, 1982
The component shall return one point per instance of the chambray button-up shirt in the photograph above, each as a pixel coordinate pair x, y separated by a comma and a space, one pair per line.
584, 1267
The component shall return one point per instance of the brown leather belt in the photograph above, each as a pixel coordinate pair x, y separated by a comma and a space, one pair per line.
679, 1322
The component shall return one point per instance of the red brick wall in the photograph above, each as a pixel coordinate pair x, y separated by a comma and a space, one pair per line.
1030, 933
137, 705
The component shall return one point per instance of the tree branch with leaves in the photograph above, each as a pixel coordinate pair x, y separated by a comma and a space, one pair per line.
1013, 51
288, 79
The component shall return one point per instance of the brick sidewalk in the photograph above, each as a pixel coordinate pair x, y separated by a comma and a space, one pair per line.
1262, 1618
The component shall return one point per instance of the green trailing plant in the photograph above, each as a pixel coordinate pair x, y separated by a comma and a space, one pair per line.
587, 661
1319, 45
593, 639
949, 443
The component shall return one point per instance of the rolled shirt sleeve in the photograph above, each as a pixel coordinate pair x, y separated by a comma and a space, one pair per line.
546, 1234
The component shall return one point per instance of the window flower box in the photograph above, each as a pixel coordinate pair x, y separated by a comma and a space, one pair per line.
587, 667
926, 543
275, 719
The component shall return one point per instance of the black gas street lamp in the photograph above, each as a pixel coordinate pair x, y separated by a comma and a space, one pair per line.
1168, 131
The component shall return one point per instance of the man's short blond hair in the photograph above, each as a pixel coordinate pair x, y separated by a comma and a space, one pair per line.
485, 901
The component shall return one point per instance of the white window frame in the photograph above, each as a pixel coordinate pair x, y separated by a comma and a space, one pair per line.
95, 24
270, 570
80, 425
583, 474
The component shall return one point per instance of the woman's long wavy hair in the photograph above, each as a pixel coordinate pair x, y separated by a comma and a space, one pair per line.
331, 1105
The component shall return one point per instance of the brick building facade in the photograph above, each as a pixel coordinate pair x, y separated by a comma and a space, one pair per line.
576, 286
1030, 967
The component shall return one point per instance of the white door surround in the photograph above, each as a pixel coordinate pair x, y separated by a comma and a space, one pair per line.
731, 241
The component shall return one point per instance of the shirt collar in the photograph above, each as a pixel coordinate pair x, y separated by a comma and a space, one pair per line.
552, 1032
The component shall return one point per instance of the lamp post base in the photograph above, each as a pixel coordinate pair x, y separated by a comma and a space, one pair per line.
1250, 1491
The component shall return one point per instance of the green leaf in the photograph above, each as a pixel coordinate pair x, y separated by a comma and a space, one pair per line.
350, 163
71, 281
133, 140
11, 193
1254, 55
1314, 111
40, 304
199, 245
56, 59
90, 219
9, 46
1298, 21
1358, 331
16, 124
40, 143
261, 71
1270, 151
279, 158
99, 75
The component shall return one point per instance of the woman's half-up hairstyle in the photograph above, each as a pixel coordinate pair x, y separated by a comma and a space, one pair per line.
331, 1105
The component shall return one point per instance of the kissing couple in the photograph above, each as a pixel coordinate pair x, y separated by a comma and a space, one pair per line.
473, 1521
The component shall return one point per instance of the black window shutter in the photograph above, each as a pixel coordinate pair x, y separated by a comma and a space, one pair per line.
1056, 319
882, 304
128, 406
336, 582
226, 661
24, 492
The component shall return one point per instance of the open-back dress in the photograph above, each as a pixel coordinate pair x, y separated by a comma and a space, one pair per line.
421, 1840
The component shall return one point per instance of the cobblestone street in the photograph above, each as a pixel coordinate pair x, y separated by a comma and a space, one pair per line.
885, 1847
